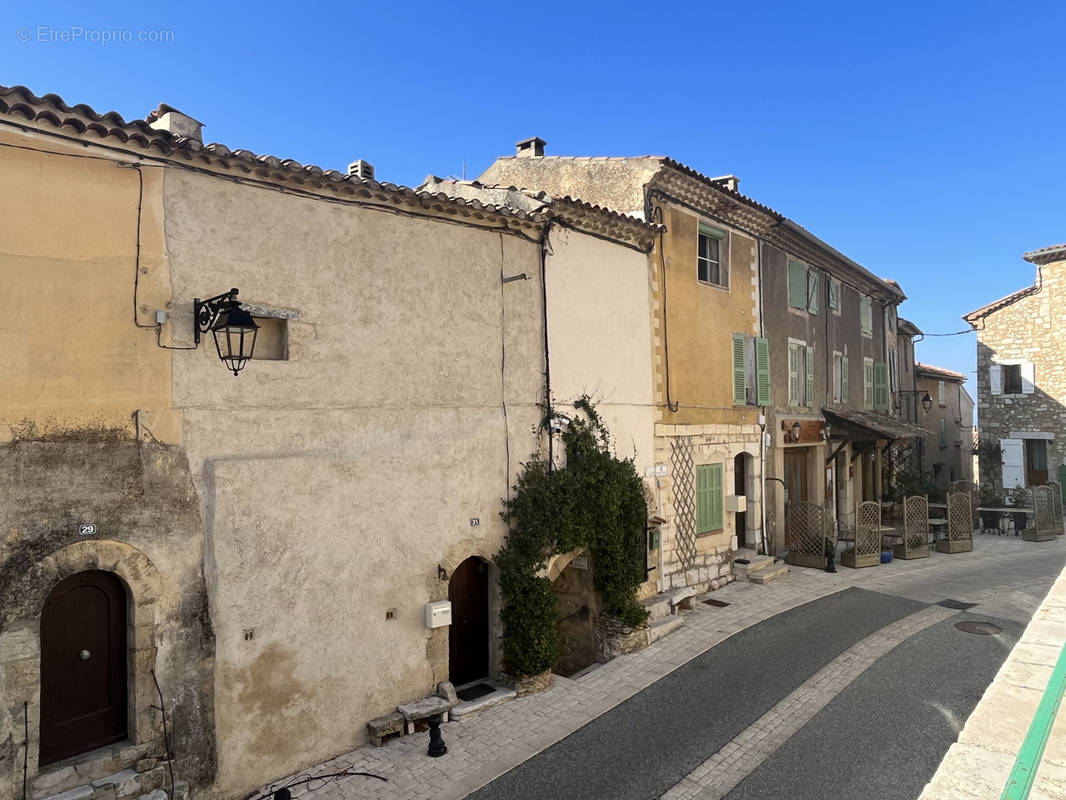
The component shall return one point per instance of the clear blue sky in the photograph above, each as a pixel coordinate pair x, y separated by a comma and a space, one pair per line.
925, 140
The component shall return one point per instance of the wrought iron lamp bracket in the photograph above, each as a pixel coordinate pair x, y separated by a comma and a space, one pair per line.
207, 312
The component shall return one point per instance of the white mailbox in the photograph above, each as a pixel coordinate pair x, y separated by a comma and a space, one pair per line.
438, 614
736, 502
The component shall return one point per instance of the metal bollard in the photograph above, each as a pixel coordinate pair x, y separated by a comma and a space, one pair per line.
437, 747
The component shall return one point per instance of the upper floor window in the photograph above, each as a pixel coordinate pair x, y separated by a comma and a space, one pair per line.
710, 256
866, 316
1016, 378
751, 370
800, 373
803, 292
941, 393
840, 377
833, 295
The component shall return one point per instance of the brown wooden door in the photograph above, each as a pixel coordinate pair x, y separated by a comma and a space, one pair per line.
468, 636
795, 481
1036, 462
83, 666
739, 489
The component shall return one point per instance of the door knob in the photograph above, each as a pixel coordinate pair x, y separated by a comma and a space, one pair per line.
84, 654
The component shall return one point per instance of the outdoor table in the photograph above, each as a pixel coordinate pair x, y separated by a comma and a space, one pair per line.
934, 525
1004, 510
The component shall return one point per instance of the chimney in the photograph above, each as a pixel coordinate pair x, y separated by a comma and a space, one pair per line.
361, 169
530, 148
730, 182
168, 118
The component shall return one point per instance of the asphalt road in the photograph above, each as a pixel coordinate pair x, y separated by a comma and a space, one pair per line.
643, 746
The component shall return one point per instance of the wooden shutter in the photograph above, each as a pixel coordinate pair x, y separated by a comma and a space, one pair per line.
797, 285
1028, 378
740, 389
762, 371
809, 399
995, 378
881, 386
844, 380
867, 383
1013, 463
793, 374
812, 291
943, 433
708, 497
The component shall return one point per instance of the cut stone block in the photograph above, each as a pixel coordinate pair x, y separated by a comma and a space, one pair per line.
384, 728
424, 709
446, 690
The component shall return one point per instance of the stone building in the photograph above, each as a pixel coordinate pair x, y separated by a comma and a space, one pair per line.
755, 323
1021, 379
709, 354
947, 449
263, 546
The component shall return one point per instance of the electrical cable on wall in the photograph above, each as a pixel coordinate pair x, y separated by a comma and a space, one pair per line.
657, 211
166, 734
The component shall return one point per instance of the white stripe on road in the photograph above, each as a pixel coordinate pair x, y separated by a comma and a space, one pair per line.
719, 774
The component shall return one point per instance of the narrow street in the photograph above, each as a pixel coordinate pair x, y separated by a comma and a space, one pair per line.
855, 694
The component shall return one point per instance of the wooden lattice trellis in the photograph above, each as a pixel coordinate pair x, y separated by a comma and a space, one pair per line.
681, 462
915, 529
959, 538
1056, 495
806, 535
866, 551
1045, 522
968, 488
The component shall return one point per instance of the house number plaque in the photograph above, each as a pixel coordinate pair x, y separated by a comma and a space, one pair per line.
87, 530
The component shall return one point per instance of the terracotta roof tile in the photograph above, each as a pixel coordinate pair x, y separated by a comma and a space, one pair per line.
996, 305
938, 372
1045, 255
82, 122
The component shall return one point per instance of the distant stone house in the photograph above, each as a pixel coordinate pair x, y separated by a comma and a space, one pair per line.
1021, 378
947, 450
775, 355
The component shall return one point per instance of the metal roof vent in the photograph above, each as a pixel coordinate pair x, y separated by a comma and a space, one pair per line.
361, 169
530, 148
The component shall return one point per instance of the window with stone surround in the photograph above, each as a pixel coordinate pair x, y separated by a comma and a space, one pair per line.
712, 265
1014, 377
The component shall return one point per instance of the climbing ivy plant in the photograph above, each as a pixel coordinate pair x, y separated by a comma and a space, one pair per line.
596, 501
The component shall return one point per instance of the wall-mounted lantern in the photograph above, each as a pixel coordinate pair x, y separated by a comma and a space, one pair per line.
792, 432
233, 328
927, 402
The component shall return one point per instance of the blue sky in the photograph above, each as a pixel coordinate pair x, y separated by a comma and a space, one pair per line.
924, 140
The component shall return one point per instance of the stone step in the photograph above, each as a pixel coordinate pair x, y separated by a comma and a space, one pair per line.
660, 628
467, 707
755, 564
769, 574
126, 784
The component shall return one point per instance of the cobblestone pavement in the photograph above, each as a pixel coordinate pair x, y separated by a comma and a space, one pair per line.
1007, 576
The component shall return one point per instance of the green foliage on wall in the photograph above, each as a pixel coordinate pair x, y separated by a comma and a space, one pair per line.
597, 502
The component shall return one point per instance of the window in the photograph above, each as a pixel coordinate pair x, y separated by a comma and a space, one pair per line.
941, 393
838, 373
833, 295
943, 433
803, 292
708, 498
751, 370
881, 386
867, 383
709, 256
893, 371
1018, 377
866, 320
272, 339
800, 373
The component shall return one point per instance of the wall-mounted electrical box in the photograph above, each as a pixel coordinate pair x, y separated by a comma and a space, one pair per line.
736, 503
438, 614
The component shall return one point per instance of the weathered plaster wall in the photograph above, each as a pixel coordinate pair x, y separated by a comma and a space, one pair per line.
1028, 329
953, 456
335, 483
149, 533
599, 336
68, 244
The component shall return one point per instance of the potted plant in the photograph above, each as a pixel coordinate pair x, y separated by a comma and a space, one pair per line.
1019, 497
886, 553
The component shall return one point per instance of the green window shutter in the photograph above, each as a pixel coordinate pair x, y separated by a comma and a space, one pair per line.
812, 291
797, 285
810, 377
881, 386
740, 388
708, 498
762, 371
715, 496
793, 374
844, 380
867, 383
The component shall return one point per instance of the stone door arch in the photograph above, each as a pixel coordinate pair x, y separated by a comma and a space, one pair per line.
468, 635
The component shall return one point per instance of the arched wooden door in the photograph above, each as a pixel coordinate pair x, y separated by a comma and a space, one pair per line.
468, 636
83, 665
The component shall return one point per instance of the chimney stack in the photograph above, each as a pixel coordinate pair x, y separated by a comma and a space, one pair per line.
730, 182
361, 169
168, 118
530, 148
